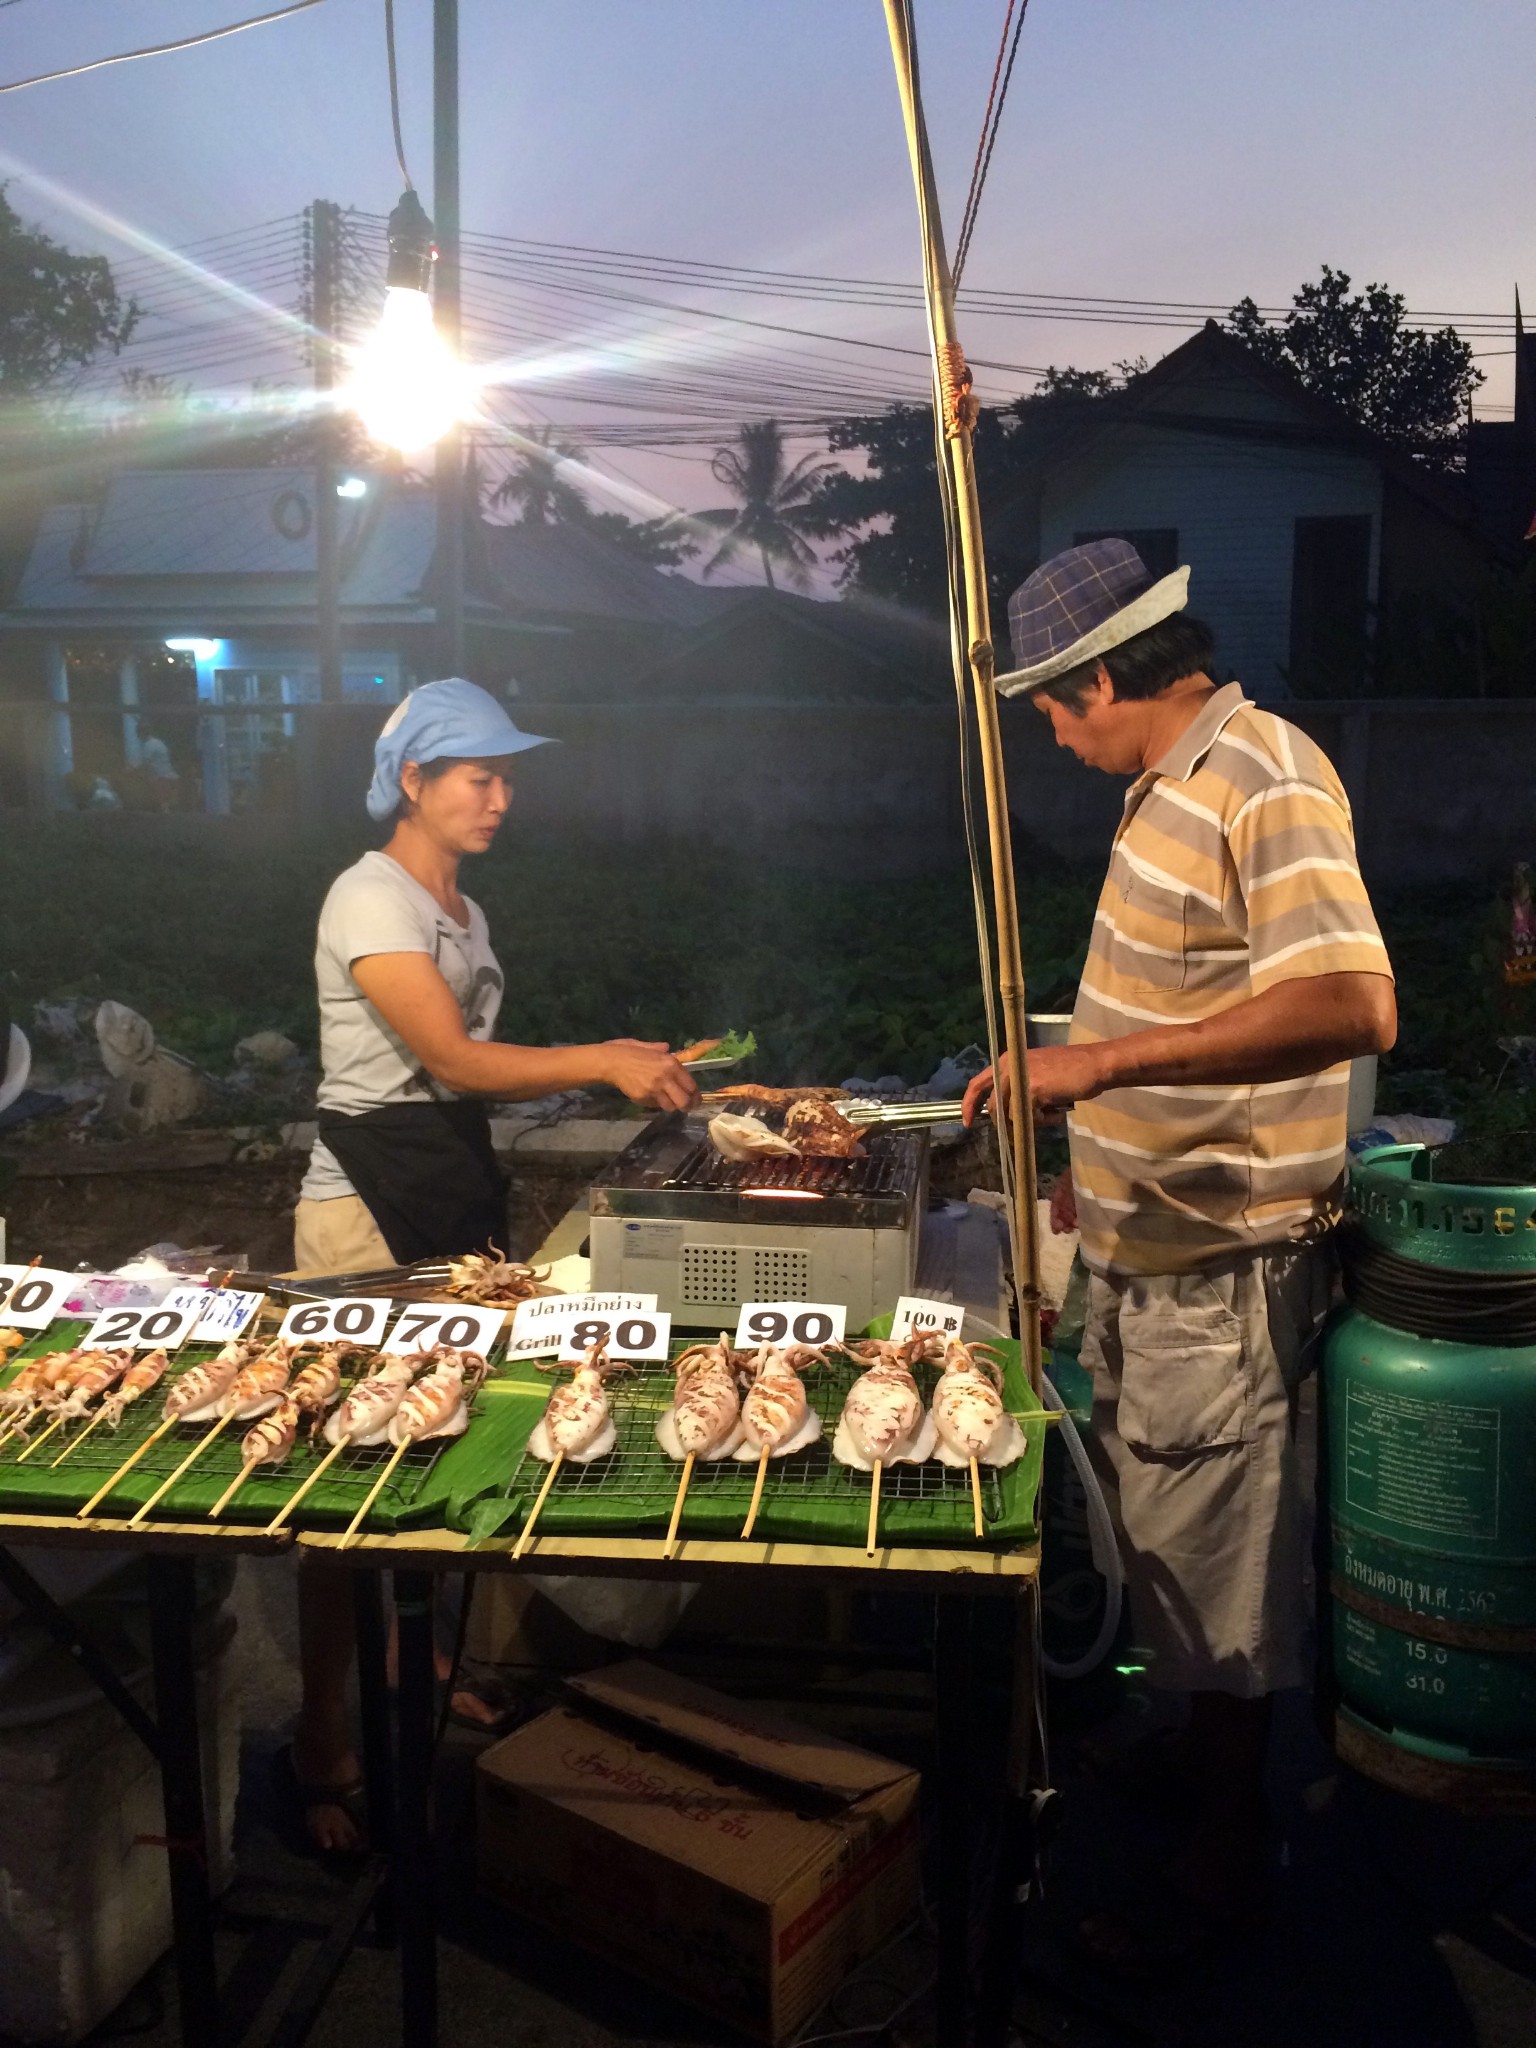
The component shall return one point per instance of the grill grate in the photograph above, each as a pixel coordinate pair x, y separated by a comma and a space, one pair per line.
703, 1170
639, 1471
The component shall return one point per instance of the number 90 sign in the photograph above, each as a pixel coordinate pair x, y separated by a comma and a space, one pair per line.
790, 1322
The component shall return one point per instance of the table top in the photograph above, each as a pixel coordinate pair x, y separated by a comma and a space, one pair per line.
68, 1532
915, 1570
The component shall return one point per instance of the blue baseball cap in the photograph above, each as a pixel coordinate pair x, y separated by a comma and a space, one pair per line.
448, 720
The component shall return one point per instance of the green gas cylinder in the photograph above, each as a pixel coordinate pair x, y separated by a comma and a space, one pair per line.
1429, 1380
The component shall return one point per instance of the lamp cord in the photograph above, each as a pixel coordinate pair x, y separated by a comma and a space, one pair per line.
394, 94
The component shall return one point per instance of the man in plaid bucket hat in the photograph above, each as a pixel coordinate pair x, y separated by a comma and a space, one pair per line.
1234, 969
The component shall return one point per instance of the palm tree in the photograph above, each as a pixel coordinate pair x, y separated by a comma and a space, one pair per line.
536, 484
777, 512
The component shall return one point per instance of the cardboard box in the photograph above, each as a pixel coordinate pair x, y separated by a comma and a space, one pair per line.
721, 1852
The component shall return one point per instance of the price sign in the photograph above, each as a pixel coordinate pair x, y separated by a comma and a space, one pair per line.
353, 1319
539, 1327
914, 1313
790, 1322
638, 1334
420, 1327
226, 1312
31, 1296
148, 1329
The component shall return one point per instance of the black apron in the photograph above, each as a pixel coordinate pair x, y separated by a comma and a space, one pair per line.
427, 1174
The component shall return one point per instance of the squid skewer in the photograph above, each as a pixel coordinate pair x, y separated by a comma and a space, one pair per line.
575, 1425
195, 1388
92, 1373
361, 1420
776, 1416
704, 1420
267, 1443
220, 1388
138, 1379
438, 1405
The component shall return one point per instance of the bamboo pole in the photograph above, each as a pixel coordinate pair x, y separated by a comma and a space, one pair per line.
957, 442
669, 1548
873, 1534
533, 1513
74, 1444
232, 1489
38, 1441
981, 1520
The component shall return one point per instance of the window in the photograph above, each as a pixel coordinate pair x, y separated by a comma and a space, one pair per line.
1158, 546
1330, 607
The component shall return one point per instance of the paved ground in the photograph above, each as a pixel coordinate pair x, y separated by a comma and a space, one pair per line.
1397, 1926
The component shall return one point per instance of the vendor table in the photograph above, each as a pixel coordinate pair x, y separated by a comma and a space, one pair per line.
956, 1578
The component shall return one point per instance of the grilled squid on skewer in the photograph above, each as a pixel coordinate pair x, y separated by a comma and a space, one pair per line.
98, 1371
271, 1439
968, 1410
776, 1417
143, 1374
316, 1387
258, 1387
364, 1416
704, 1420
884, 1421
196, 1395
576, 1424
438, 1404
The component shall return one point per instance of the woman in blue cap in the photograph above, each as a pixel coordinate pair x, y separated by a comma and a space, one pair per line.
403, 1167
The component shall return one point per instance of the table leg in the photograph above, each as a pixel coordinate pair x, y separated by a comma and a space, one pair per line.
952, 1741
173, 1617
378, 1757
1011, 1773
415, 1884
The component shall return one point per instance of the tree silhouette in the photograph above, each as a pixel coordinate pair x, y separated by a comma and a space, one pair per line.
535, 483
779, 509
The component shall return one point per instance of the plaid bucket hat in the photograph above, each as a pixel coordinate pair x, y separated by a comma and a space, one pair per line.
1079, 605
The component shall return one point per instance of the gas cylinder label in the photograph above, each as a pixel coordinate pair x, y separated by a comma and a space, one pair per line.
1431, 1465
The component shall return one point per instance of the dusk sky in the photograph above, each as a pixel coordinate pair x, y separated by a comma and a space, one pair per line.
1184, 151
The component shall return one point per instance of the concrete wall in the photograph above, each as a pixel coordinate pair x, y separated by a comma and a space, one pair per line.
1440, 788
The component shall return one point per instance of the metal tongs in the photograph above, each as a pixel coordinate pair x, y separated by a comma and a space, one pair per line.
867, 1112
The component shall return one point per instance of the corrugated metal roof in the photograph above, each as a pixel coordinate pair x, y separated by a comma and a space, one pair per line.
210, 522
567, 569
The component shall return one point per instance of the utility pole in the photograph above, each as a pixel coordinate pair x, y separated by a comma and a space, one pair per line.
325, 263
451, 509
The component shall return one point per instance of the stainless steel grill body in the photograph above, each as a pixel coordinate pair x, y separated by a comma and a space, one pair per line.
672, 1218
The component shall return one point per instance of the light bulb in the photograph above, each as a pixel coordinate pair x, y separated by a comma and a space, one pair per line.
406, 385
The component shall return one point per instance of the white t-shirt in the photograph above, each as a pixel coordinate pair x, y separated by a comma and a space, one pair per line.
376, 907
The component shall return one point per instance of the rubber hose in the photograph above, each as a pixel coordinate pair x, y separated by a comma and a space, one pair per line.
1105, 1550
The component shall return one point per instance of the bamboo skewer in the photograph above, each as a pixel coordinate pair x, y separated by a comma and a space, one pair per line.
127, 1466
373, 1492
232, 1489
669, 1548
99, 1416
981, 1520
757, 1494
872, 1536
191, 1458
533, 1513
320, 1470
57, 1423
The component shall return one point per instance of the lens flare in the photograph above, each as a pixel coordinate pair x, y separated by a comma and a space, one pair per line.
406, 385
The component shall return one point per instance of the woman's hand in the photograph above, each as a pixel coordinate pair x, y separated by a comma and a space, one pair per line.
645, 1071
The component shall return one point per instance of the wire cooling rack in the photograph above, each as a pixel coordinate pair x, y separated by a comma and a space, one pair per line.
638, 1472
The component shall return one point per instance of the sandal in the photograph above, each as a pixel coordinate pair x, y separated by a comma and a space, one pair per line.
302, 1799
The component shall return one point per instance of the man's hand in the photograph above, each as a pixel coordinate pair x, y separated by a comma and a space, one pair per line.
1063, 1204
645, 1071
1059, 1075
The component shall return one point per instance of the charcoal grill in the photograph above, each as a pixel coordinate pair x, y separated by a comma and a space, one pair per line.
670, 1217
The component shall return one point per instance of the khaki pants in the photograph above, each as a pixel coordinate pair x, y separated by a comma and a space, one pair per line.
1195, 1379
338, 1236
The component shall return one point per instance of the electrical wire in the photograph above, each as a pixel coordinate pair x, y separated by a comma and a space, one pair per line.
394, 93
991, 123
211, 35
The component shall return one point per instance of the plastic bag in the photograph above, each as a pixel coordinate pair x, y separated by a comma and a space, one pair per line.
634, 1612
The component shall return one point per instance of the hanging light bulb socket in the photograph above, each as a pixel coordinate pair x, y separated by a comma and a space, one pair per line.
412, 246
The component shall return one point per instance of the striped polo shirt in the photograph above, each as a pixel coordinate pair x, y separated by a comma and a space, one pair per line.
1233, 869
